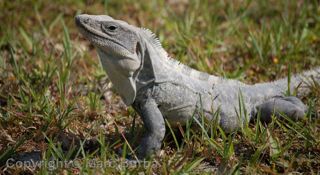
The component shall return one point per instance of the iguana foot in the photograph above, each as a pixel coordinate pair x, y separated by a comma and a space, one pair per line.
291, 107
150, 145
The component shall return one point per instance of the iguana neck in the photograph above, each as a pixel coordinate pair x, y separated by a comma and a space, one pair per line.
125, 85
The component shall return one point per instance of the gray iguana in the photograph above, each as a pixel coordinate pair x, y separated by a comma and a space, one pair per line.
159, 87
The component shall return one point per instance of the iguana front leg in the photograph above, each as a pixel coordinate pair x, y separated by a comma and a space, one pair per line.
290, 106
154, 127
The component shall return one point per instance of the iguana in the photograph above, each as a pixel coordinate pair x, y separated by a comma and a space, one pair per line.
159, 87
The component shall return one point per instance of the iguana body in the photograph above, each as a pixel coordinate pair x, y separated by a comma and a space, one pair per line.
160, 88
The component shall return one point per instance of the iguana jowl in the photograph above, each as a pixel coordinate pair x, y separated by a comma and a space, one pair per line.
160, 88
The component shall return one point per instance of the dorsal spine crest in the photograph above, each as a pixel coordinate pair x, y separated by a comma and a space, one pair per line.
153, 39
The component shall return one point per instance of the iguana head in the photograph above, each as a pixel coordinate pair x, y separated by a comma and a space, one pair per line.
117, 44
112, 37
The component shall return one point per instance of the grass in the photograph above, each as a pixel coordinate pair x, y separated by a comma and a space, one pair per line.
52, 90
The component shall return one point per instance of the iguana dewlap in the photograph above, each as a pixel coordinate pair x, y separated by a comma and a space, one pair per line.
159, 87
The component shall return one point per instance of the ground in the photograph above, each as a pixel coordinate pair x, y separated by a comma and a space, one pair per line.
53, 93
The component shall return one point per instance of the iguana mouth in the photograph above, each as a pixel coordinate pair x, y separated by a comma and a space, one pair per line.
89, 30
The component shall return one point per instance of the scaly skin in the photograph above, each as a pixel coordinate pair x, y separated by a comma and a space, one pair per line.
160, 88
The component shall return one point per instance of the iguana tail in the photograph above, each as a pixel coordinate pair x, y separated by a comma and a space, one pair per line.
301, 83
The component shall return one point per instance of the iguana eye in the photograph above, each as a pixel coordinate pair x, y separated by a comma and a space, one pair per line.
109, 28
112, 28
